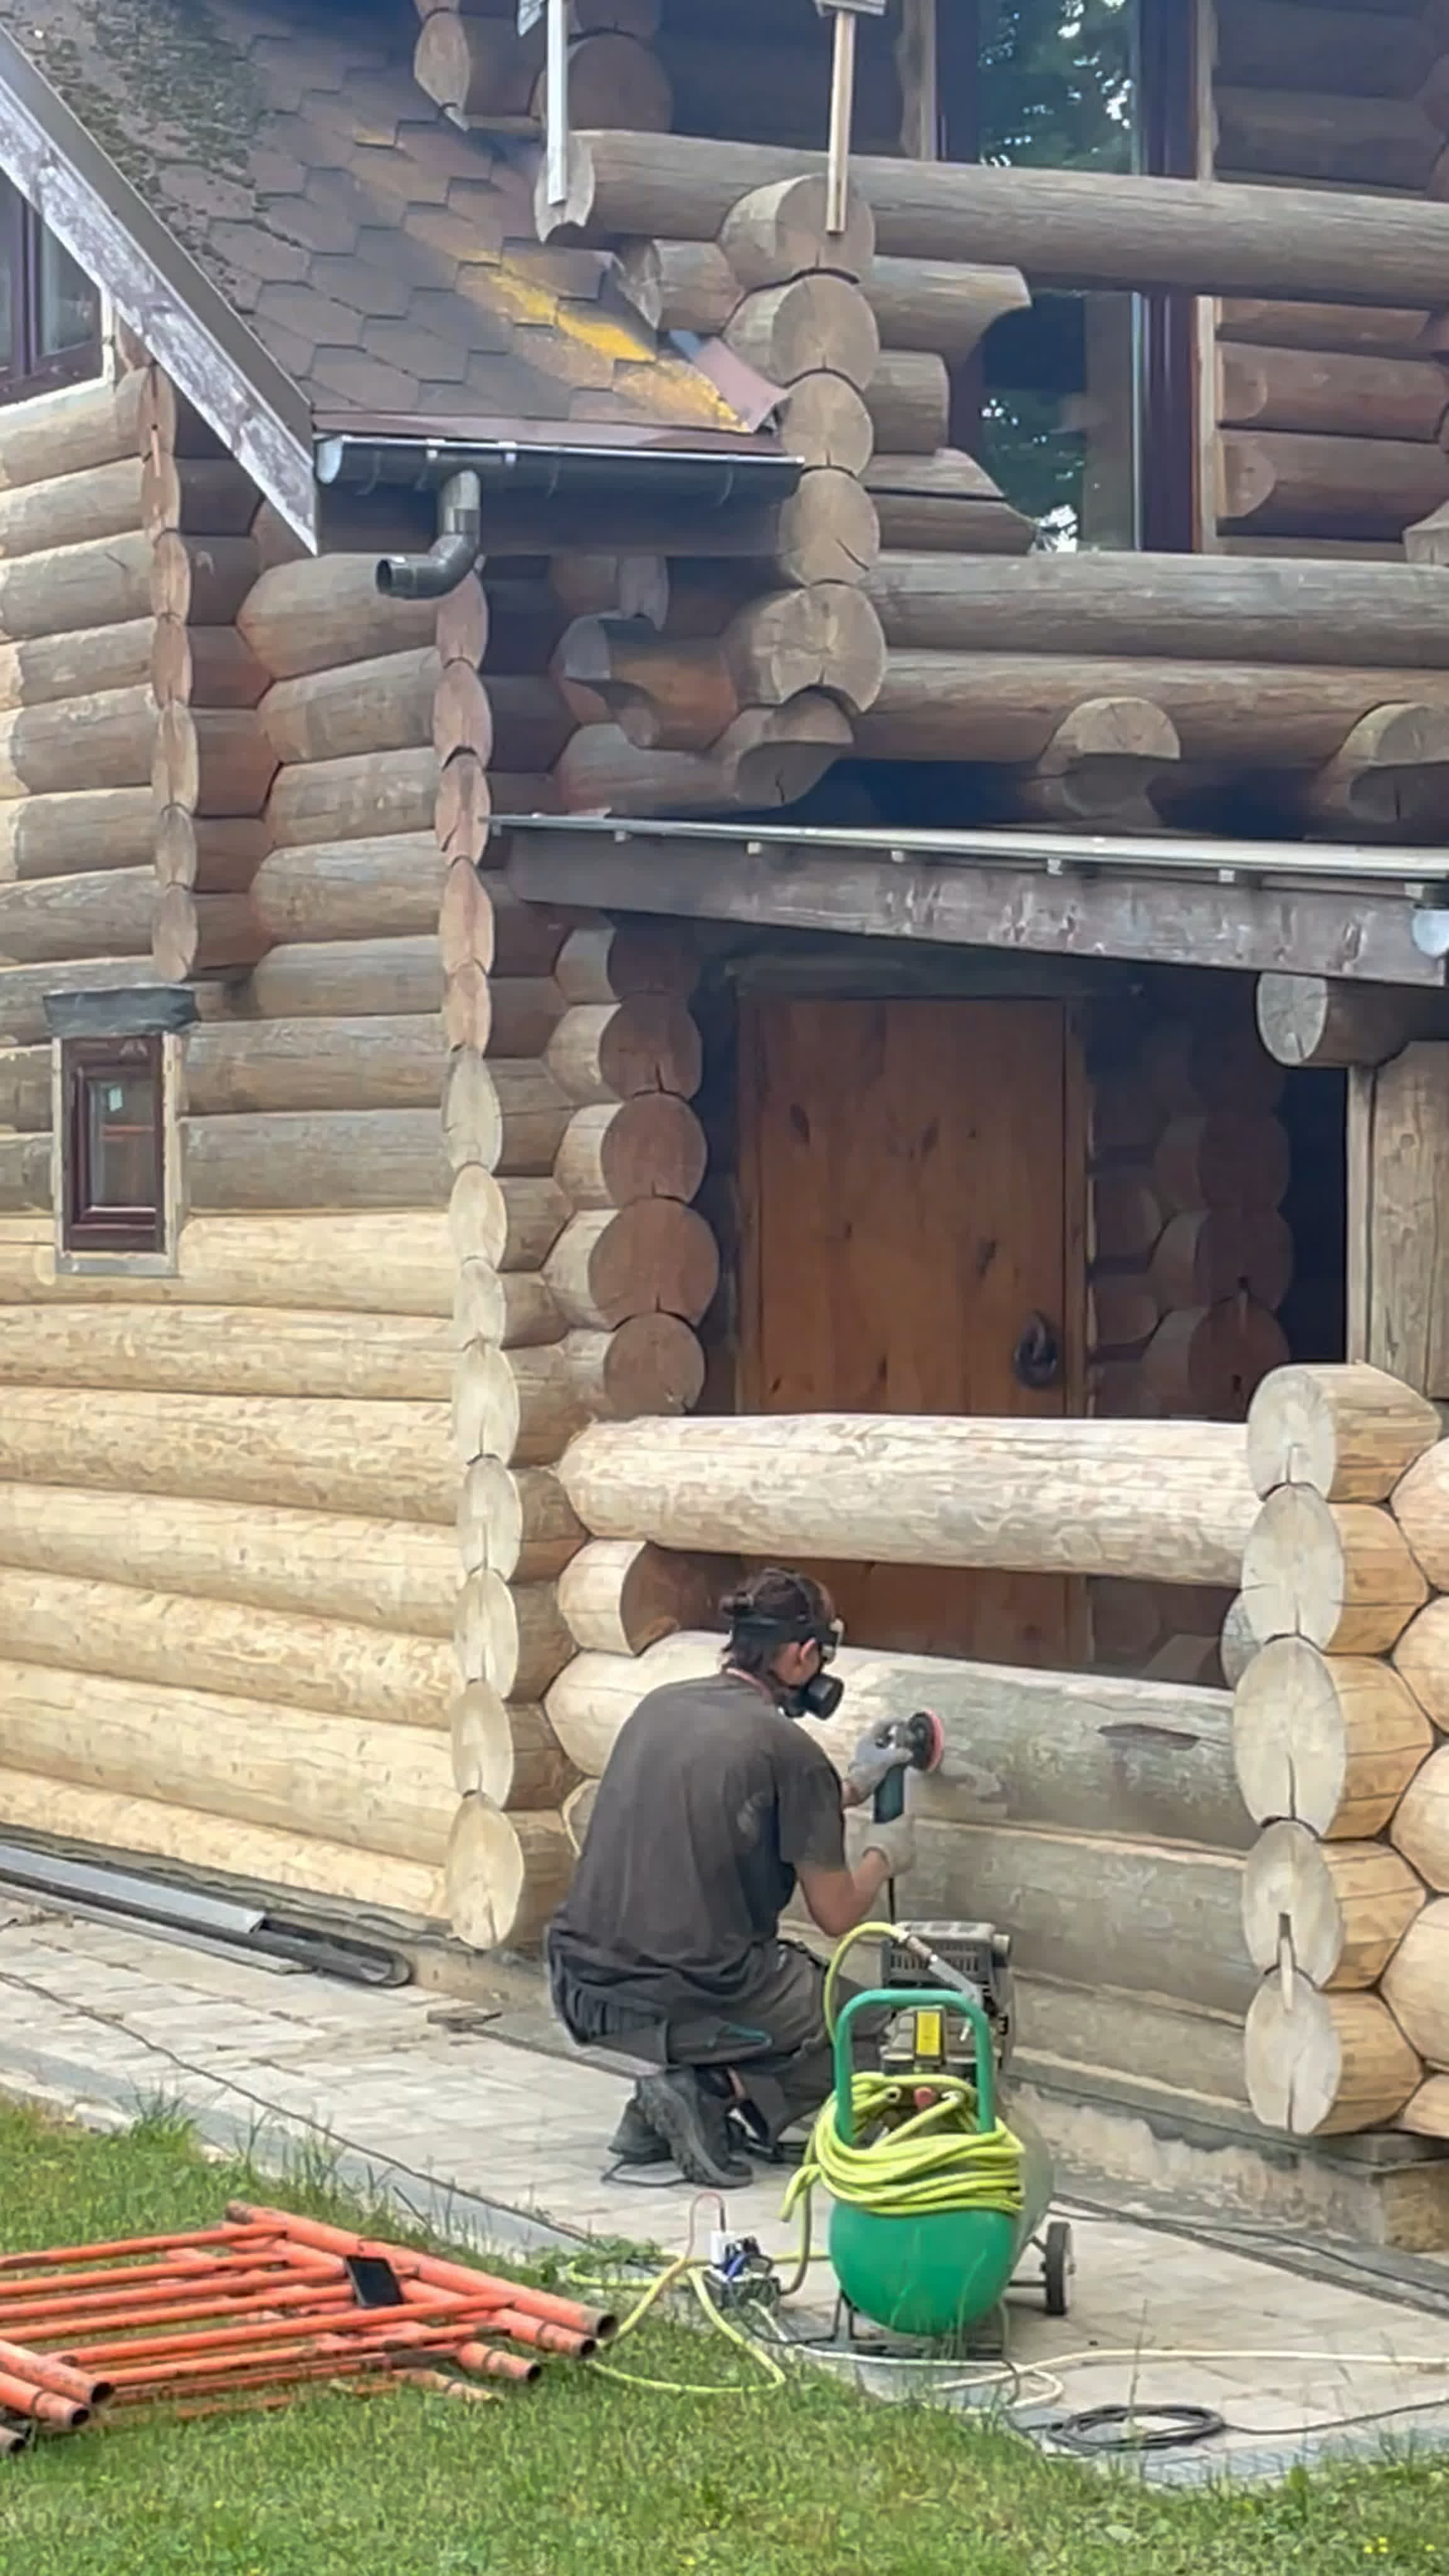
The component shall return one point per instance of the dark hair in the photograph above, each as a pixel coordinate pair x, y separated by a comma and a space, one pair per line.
772, 1597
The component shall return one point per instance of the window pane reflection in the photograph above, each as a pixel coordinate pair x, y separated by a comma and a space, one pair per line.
120, 1140
70, 308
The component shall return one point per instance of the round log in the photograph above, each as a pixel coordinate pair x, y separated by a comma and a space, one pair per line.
652, 1365
618, 585
202, 581
1058, 1751
463, 809
465, 922
511, 1636
1339, 1910
1375, 142
1286, 483
534, 1213
356, 799
206, 666
1312, 1020
211, 760
1147, 1500
25, 1172
828, 530
1421, 1822
472, 1115
1212, 1359
220, 856
1330, 1742
309, 1158
824, 421
614, 961
946, 503
243, 1651
100, 741
75, 588
482, 1744
1327, 391
1223, 1158
782, 231
350, 979
383, 1459
1368, 329
71, 510
1421, 1507
515, 1522
327, 610
617, 1596
202, 934
1421, 1658
378, 1788
652, 1256
1428, 2113
257, 1856
343, 1263
506, 1875
601, 1051
1325, 2065
339, 714
1338, 1574
1416, 1984
1124, 1216
1237, 1645
95, 425
1121, 1312
107, 915
76, 665
1347, 1432
512, 1309
1208, 1254
813, 323
909, 401
939, 304
384, 1575
665, 695
200, 496
226, 1350
363, 889
652, 1146
62, 836
828, 637
533, 1116
463, 720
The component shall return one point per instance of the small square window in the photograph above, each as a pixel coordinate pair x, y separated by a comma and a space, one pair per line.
113, 1145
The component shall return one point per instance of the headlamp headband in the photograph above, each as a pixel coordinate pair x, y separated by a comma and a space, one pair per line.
824, 1633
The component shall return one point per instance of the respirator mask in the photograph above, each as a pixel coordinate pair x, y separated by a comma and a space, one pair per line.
822, 1694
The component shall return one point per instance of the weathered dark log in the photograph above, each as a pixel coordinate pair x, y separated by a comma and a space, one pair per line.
946, 502
1348, 397
1294, 484
1309, 1020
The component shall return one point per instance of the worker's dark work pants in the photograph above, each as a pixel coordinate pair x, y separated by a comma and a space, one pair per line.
772, 2036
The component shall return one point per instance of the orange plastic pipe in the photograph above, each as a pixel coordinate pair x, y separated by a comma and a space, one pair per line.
365, 2324
439, 2274
492, 2364
128, 2278
56, 2316
22, 2398
543, 2337
230, 2234
57, 2376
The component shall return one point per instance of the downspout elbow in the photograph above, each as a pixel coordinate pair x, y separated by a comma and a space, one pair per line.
454, 550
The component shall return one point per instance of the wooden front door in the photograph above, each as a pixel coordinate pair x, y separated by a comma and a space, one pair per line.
909, 1171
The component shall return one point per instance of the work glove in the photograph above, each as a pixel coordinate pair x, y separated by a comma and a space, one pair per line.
896, 1843
871, 1763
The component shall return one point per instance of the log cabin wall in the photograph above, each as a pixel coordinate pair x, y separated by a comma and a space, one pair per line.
1331, 416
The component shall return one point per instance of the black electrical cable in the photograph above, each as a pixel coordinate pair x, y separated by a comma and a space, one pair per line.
1098, 2430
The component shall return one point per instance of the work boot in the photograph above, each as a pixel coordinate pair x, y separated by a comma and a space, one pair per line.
636, 2141
696, 2127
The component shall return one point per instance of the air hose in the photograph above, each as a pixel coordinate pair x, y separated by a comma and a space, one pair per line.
935, 2160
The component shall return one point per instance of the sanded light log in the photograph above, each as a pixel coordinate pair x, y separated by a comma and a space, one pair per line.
945, 503
1327, 391
516, 1522
1349, 1432
289, 1660
1237, 1645
1311, 1020
350, 979
508, 1753
614, 1051
651, 1146
100, 741
1421, 1658
1224, 1158
76, 665
383, 1574
521, 1119
355, 799
1326, 2065
1078, 1751
106, 915
71, 509
380, 1788
226, 1350
1208, 1254
1328, 1741
783, 230
1416, 1984
523, 1406
512, 1636
96, 425
612, 961
385, 1459
506, 1875
1340, 1909
363, 889
327, 610
653, 1256
1179, 607
1338, 1574
257, 1856
1427, 2115
344, 1262
618, 1596
512, 1223
1164, 1500
309, 1158
211, 760
337, 714
909, 401
67, 835
1296, 483
1420, 1826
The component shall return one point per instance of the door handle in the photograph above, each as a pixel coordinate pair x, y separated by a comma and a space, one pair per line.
1037, 1359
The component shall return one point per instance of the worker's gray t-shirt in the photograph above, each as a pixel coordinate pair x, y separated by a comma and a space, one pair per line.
710, 1803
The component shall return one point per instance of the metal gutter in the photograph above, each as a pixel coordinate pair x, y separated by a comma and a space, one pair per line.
1292, 863
709, 479
156, 287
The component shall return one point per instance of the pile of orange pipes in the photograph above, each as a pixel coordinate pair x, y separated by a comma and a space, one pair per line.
262, 2304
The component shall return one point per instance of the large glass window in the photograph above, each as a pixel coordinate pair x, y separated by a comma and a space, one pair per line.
50, 313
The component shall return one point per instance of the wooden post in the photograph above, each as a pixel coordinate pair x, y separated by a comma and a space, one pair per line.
1398, 1171
916, 62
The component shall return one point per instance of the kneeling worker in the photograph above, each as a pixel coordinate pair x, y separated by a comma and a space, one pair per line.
711, 1809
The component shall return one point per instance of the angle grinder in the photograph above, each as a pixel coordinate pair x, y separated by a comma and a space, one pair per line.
922, 1739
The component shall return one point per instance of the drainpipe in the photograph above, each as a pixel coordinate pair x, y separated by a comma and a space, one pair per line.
454, 550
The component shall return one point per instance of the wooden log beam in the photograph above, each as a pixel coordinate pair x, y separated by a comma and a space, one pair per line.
1329, 1741
387, 1788
619, 1596
1341, 141
112, 1825
1359, 330
1138, 1760
909, 401
506, 1874
1338, 1574
1312, 1020
354, 1263
1006, 707
1282, 483
105, 915
1272, 43
947, 503
783, 231
312, 616
1339, 1909
226, 1350
1068, 227
769, 756
1414, 1985
1348, 1433
341, 713
1186, 608
1331, 392
202, 581
1165, 1500
358, 798
1103, 758
361, 1158
1326, 2065
937, 305
380, 1574
1205, 1255
1420, 1827
515, 1521
1398, 1154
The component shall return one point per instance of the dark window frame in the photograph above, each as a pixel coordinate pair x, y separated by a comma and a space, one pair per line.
88, 1226
29, 369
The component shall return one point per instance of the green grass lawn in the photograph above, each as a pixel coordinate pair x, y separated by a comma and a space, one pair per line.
582, 2477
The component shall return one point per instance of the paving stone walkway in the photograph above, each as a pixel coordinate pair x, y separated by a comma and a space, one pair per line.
460, 2118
